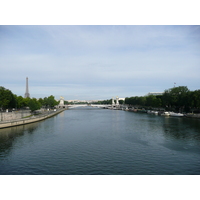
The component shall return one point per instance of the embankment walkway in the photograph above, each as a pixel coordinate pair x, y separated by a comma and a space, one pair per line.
28, 120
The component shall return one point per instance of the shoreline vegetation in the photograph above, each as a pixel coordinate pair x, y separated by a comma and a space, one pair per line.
163, 113
177, 99
11, 102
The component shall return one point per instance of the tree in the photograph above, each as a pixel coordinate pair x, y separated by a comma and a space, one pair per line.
34, 104
108, 101
7, 98
142, 101
66, 103
21, 102
121, 101
128, 100
176, 97
48, 101
151, 100
41, 101
45, 102
51, 101
26, 101
194, 100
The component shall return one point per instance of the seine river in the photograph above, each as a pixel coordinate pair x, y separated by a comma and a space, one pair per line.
102, 142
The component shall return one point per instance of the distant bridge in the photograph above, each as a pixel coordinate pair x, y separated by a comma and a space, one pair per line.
113, 105
89, 105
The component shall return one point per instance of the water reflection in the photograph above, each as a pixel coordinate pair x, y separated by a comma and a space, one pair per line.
182, 128
8, 135
182, 135
102, 141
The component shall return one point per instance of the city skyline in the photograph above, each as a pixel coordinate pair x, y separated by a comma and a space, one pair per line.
99, 62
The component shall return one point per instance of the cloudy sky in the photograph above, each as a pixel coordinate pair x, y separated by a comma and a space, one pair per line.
98, 62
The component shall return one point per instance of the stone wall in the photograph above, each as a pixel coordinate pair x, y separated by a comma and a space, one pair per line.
7, 116
29, 120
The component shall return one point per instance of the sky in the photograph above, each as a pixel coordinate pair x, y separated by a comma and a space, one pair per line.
96, 62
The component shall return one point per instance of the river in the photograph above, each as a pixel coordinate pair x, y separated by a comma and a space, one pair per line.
97, 141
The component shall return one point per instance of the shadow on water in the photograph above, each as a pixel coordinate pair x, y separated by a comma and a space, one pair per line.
9, 135
182, 134
182, 128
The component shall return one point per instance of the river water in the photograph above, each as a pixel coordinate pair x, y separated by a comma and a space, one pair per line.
100, 141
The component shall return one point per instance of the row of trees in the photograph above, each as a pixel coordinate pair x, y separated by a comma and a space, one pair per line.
175, 99
108, 101
179, 99
8, 100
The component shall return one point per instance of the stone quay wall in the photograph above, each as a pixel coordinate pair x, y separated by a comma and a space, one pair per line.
7, 116
28, 120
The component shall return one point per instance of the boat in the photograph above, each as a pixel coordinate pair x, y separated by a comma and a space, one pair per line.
165, 114
176, 114
141, 110
149, 111
152, 112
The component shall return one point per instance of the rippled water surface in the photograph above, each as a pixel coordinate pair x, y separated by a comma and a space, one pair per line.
100, 141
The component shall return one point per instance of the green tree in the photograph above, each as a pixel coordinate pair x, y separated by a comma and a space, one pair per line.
45, 102
34, 104
41, 101
142, 101
66, 103
108, 101
21, 102
194, 100
7, 98
151, 100
177, 97
52, 102
121, 101
128, 100
26, 101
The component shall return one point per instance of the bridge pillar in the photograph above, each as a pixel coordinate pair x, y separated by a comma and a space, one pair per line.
62, 103
117, 101
113, 101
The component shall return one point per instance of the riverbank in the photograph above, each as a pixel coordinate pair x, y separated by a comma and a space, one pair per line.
191, 115
158, 112
31, 119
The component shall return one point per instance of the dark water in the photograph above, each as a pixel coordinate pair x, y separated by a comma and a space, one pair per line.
101, 141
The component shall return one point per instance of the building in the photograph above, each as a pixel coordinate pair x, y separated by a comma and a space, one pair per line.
155, 93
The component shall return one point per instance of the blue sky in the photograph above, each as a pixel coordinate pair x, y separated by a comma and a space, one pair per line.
98, 62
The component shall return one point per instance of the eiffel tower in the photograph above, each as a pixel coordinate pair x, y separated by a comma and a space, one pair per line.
26, 93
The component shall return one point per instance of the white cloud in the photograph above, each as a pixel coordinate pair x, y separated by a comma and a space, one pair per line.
99, 61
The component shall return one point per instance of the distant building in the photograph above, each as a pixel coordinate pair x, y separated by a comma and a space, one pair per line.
155, 93
123, 99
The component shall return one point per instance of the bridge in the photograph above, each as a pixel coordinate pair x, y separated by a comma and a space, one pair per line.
89, 105
114, 105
